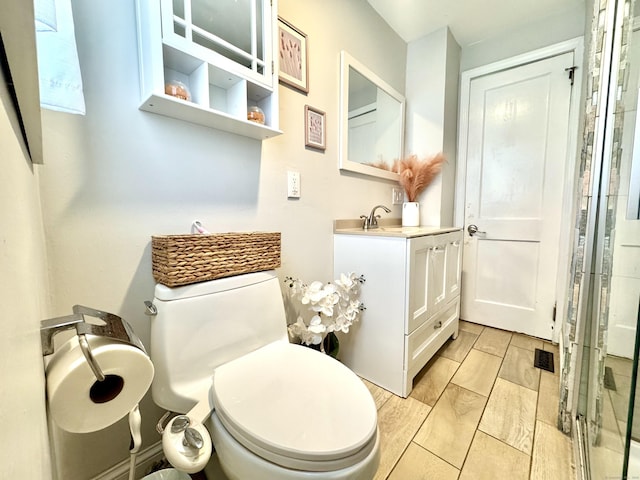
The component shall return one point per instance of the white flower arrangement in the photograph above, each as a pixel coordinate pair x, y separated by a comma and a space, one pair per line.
327, 308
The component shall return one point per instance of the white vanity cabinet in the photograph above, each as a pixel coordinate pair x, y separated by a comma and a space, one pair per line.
411, 295
222, 51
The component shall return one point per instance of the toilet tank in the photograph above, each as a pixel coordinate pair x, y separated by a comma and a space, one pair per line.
201, 326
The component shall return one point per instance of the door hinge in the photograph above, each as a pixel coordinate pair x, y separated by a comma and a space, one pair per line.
572, 73
555, 311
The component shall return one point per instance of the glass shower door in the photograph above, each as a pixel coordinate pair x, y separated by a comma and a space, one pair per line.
610, 363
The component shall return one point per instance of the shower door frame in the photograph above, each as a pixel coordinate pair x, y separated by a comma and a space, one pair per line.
593, 302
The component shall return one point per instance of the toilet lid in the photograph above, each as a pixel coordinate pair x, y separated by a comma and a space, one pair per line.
301, 409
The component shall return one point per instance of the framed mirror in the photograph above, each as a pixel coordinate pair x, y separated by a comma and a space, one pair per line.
371, 121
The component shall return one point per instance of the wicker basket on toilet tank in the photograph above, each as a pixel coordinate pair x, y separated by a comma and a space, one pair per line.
191, 258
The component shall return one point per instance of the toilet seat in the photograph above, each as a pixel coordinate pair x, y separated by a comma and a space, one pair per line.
301, 410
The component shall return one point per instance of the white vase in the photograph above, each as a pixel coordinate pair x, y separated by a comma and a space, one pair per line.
410, 214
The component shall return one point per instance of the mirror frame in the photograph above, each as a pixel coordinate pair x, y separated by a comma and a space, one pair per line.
347, 62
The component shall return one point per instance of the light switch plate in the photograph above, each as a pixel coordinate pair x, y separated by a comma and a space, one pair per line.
397, 196
293, 184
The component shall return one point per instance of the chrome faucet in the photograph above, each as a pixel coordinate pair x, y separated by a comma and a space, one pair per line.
372, 220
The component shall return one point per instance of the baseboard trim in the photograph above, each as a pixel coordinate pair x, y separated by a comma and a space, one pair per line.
144, 460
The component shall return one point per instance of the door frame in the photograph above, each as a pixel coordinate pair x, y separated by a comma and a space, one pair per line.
574, 45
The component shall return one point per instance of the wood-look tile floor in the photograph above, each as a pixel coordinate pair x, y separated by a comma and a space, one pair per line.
478, 410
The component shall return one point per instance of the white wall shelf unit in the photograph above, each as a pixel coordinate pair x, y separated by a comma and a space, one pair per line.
222, 54
412, 300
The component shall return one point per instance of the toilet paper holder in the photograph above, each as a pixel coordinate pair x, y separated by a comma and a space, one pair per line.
113, 327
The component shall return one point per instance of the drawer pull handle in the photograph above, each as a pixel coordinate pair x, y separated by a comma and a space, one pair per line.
437, 325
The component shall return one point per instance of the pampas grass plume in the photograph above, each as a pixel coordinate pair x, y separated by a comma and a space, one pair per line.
416, 175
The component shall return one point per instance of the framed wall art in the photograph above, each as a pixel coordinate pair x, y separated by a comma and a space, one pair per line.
293, 58
314, 128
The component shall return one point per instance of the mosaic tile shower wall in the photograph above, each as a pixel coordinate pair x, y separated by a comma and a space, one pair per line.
588, 176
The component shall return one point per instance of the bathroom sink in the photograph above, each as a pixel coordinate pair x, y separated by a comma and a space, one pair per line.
398, 228
387, 227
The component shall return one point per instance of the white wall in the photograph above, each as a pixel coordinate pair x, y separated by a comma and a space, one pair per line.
501, 45
119, 175
432, 116
450, 134
24, 446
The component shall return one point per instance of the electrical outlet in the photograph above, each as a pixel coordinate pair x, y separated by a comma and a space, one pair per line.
397, 196
293, 184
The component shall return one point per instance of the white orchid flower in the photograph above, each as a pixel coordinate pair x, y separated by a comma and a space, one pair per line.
325, 305
313, 293
334, 307
299, 330
307, 335
316, 325
352, 310
346, 282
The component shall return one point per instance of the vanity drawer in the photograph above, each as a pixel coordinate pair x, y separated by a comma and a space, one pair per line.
425, 341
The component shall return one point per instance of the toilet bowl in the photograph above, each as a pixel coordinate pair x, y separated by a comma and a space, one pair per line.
303, 415
278, 410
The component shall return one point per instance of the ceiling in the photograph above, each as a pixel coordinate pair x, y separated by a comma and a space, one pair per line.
470, 21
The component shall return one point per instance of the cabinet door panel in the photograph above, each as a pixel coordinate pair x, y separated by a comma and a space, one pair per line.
437, 265
235, 34
454, 258
233, 22
418, 282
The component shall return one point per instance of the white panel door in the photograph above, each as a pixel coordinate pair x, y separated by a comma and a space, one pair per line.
518, 133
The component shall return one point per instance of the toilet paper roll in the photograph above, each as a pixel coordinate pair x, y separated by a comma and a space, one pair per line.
78, 402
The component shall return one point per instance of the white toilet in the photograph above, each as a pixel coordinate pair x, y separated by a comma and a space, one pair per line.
279, 411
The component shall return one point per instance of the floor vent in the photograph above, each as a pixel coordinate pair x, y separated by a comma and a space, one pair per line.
609, 380
543, 360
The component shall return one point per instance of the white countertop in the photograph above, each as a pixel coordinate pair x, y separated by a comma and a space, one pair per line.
388, 227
